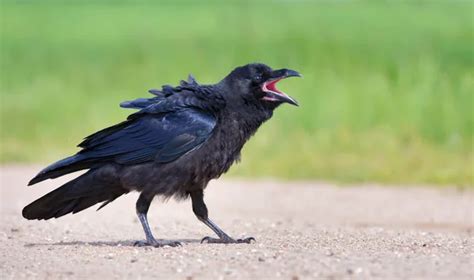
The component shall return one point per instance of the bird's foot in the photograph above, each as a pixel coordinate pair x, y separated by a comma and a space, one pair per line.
157, 243
227, 240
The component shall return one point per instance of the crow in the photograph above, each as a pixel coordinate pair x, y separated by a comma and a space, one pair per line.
175, 143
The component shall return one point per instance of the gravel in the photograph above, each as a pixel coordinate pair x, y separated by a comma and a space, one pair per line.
303, 230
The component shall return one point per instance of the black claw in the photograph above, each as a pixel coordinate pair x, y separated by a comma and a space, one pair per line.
140, 243
207, 238
157, 244
247, 240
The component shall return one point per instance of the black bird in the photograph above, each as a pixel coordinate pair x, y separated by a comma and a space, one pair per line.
173, 146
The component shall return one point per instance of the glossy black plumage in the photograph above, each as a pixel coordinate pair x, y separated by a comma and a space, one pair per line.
174, 145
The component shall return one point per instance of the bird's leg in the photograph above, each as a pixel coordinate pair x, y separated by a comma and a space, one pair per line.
200, 210
143, 204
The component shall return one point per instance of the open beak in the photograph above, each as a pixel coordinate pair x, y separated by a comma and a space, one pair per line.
272, 93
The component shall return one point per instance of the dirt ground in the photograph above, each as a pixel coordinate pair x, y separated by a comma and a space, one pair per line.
303, 230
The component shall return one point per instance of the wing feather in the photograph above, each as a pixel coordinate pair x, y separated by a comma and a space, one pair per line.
152, 137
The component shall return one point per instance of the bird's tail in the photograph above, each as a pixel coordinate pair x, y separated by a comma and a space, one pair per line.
74, 196
62, 167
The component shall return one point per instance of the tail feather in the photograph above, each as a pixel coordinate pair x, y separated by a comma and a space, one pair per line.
74, 196
71, 164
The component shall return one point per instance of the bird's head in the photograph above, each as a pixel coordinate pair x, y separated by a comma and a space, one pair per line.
256, 83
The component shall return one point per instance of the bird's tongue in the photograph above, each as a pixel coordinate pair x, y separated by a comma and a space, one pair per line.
272, 86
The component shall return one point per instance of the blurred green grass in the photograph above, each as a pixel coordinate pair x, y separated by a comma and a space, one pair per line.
387, 93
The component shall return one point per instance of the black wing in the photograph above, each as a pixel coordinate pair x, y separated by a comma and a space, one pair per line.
167, 126
150, 137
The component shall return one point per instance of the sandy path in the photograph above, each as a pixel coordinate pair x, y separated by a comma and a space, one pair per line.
303, 230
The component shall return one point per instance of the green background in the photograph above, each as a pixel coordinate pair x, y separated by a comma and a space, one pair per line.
387, 93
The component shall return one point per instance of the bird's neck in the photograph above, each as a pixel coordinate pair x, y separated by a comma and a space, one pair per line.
242, 124
236, 117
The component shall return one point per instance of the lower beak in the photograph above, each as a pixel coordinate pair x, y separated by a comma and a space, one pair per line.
281, 97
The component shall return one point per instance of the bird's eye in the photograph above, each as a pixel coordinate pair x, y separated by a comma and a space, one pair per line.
258, 78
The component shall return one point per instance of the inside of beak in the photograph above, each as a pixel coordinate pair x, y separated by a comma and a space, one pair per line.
271, 86
275, 95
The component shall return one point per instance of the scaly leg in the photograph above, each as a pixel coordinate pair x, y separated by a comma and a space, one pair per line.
143, 204
200, 210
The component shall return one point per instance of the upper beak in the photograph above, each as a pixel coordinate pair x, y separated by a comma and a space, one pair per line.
273, 94
285, 73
